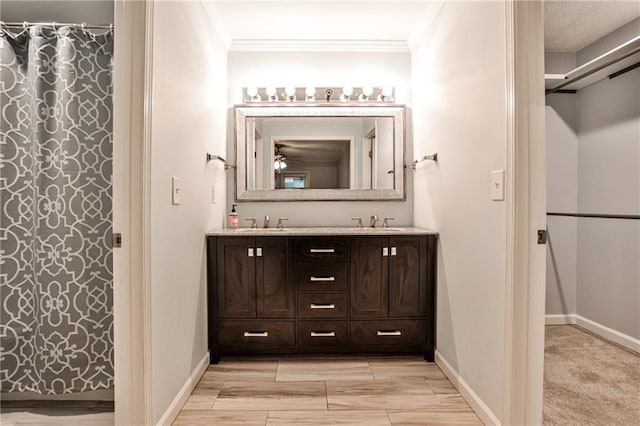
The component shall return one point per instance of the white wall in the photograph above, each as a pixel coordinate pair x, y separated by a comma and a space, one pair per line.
188, 120
321, 69
459, 111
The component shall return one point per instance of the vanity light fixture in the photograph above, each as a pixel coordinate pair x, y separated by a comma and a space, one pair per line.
347, 91
290, 91
252, 92
272, 93
310, 93
366, 92
386, 94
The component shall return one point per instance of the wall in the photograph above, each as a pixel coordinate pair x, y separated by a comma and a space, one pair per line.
321, 69
69, 11
562, 191
188, 120
594, 136
459, 111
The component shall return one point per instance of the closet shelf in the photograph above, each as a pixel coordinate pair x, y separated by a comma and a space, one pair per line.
617, 59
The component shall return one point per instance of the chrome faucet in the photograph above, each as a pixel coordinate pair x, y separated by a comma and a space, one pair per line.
253, 222
372, 222
359, 224
266, 222
280, 224
385, 224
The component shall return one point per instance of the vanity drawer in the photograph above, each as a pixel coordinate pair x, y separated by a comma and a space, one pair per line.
388, 332
322, 277
322, 250
256, 333
322, 305
322, 333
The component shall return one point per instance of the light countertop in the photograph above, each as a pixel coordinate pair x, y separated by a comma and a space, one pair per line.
321, 231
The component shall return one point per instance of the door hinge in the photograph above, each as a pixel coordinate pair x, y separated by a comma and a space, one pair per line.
117, 240
542, 236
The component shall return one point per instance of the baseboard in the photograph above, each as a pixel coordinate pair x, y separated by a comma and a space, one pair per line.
98, 395
181, 398
603, 331
472, 398
608, 333
560, 319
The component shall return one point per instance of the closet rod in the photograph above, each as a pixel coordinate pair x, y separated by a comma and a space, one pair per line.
600, 216
55, 25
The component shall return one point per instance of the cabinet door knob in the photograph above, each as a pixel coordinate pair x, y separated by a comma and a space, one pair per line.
394, 251
259, 251
250, 252
323, 334
385, 251
322, 279
256, 334
389, 333
322, 306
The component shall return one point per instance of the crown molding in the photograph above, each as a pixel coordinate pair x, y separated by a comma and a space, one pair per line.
219, 26
319, 46
418, 32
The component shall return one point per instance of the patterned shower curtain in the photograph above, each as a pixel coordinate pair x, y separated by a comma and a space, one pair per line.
56, 289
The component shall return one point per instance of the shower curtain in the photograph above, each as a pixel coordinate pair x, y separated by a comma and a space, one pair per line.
56, 290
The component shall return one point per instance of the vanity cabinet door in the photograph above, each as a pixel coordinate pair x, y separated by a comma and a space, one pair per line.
407, 277
236, 278
369, 286
275, 287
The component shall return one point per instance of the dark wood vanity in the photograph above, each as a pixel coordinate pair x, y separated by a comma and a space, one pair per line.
294, 293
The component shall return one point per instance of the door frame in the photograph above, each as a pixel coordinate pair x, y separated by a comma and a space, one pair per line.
526, 214
131, 211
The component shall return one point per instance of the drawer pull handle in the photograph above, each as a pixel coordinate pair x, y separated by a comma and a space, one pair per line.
389, 333
323, 334
322, 250
322, 279
250, 251
256, 334
322, 306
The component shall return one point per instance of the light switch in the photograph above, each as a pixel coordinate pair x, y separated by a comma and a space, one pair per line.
497, 185
176, 191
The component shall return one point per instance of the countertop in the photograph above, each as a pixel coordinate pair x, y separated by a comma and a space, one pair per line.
321, 231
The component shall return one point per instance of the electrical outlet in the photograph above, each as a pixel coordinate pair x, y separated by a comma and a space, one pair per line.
176, 191
497, 185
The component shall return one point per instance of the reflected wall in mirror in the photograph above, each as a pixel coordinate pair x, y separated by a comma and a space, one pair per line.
319, 153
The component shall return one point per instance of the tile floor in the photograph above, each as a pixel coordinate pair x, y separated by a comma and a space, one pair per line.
325, 391
58, 413
292, 391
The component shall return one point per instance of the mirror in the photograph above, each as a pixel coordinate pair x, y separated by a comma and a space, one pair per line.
319, 152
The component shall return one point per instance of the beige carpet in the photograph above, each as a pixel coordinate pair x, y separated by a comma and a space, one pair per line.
589, 381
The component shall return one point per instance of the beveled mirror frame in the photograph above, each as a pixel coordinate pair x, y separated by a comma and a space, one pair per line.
264, 110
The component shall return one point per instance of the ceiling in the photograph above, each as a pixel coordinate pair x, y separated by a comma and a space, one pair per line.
571, 25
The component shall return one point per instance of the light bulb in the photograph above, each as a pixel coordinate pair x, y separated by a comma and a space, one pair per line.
290, 91
271, 91
252, 91
367, 90
387, 91
347, 90
310, 91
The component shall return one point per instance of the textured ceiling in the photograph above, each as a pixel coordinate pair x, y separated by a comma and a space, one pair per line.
572, 25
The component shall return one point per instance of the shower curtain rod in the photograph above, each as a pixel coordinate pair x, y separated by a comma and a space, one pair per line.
26, 24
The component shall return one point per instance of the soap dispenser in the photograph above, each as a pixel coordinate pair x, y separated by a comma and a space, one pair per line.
233, 217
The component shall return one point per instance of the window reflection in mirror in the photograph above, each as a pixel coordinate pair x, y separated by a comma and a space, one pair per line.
320, 153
